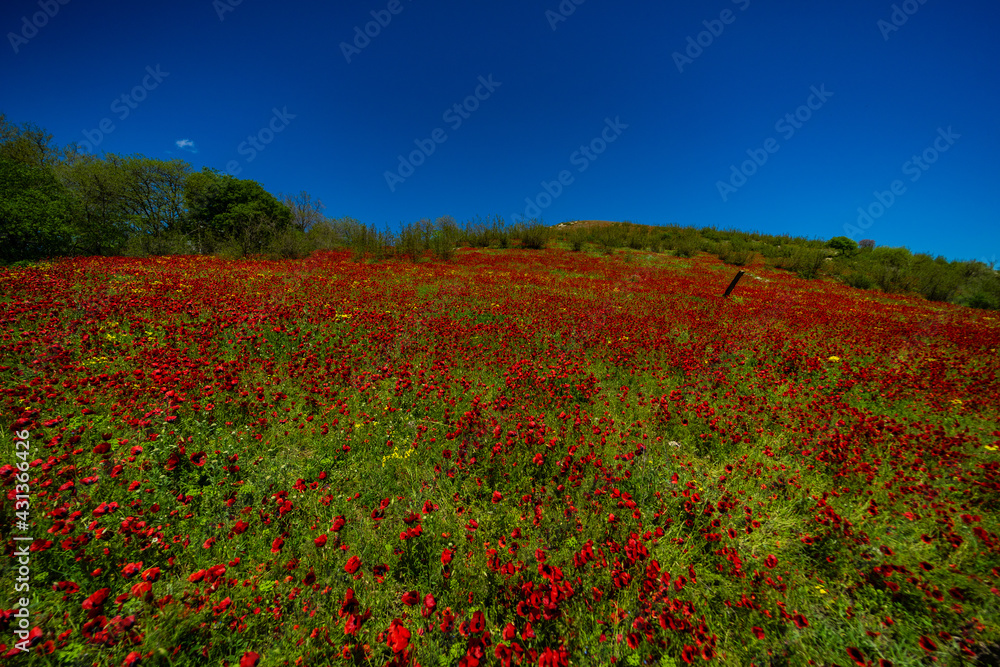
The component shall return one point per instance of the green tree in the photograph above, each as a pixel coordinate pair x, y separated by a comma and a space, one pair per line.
224, 208
103, 226
27, 144
152, 192
843, 245
36, 212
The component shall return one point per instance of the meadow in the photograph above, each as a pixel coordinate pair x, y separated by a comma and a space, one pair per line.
513, 457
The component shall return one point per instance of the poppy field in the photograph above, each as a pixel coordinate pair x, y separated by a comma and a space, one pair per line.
511, 458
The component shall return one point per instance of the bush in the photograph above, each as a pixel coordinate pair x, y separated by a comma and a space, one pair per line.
292, 243
410, 242
936, 281
168, 243
228, 249
807, 262
982, 301
859, 280
686, 244
369, 243
890, 269
843, 245
444, 238
533, 235
734, 252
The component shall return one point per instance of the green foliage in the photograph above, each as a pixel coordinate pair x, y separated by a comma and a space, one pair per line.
532, 234
843, 245
805, 261
859, 280
223, 207
27, 144
686, 244
444, 237
367, 243
889, 268
735, 252
36, 213
439, 238
482, 232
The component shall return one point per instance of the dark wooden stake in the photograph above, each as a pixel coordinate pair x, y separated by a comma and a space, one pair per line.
733, 284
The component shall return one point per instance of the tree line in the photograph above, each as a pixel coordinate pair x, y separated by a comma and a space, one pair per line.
61, 201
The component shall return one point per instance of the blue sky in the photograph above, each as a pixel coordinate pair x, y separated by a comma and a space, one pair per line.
779, 117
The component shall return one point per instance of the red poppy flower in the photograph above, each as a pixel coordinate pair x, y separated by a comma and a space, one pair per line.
172, 461
509, 632
398, 636
140, 589
96, 600
198, 458
353, 563
131, 570
277, 544
132, 659
250, 659
478, 623
757, 632
771, 561
497, 497
446, 556
320, 541
857, 656
338, 523
927, 643
800, 621
411, 598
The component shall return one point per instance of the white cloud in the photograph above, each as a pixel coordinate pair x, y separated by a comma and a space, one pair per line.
187, 145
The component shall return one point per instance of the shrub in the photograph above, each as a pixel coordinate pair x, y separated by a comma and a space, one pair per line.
534, 235
292, 243
843, 245
890, 269
859, 280
806, 262
982, 301
734, 252
444, 237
